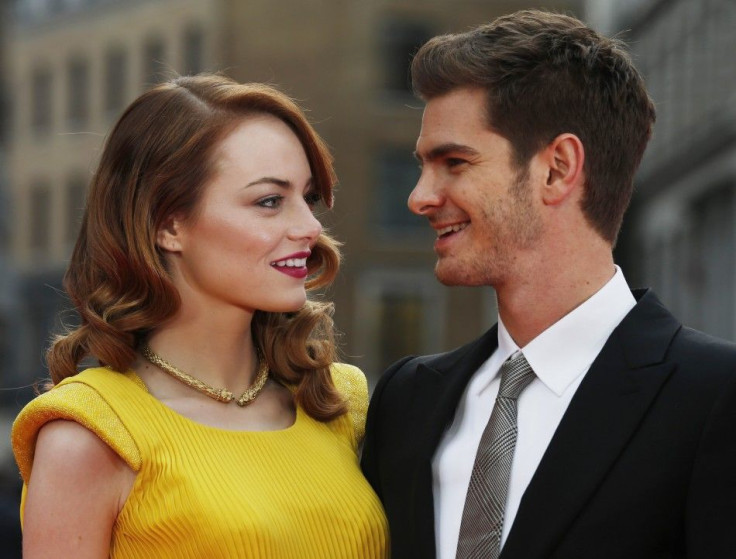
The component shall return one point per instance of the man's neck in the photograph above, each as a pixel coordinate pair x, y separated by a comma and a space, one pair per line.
531, 305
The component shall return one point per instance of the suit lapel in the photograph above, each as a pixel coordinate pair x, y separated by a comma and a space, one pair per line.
440, 385
605, 411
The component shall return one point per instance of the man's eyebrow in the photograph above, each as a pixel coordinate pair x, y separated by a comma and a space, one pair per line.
445, 149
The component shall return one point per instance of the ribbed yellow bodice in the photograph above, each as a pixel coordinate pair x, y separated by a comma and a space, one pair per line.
203, 492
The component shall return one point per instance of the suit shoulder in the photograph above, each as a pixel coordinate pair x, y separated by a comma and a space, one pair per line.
709, 342
705, 364
405, 369
694, 344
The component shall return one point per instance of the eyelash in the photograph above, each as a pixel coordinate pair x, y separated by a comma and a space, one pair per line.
270, 201
454, 161
311, 198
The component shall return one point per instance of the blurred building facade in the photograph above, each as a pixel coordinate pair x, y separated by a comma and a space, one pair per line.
75, 64
351, 71
69, 67
7, 275
681, 233
9, 487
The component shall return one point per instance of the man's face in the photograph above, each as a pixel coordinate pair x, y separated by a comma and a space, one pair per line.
479, 202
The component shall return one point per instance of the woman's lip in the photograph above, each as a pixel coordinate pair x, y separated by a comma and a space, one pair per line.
299, 273
302, 254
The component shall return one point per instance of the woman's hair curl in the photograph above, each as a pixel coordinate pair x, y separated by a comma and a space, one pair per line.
156, 162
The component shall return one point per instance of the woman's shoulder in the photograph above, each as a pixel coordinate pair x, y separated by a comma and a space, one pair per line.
350, 381
348, 378
79, 399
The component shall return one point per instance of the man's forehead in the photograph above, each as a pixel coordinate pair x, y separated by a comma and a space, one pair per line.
460, 101
452, 116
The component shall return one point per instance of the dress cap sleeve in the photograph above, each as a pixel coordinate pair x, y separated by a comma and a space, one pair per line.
73, 401
352, 384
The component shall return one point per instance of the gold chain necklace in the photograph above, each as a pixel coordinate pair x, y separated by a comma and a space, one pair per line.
219, 394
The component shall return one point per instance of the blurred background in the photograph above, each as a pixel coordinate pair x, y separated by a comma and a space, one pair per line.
68, 68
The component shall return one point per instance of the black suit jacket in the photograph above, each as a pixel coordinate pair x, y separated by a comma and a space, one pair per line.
642, 465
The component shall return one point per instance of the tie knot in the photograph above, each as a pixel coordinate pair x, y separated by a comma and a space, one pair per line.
516, 374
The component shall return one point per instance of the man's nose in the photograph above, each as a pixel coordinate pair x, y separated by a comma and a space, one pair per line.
426, 195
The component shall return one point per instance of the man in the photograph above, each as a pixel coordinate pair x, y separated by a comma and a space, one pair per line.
618, 439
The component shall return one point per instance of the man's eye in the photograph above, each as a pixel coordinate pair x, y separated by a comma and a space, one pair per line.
454, 161
270, 202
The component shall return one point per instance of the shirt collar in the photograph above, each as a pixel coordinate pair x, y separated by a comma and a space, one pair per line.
566, 350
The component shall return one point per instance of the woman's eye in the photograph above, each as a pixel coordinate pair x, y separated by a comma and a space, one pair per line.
313, 198
270, 202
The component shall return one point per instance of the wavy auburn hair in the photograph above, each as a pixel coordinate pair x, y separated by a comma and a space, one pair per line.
156, 162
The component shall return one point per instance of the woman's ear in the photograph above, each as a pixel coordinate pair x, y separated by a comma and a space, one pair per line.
168, 237
564, 157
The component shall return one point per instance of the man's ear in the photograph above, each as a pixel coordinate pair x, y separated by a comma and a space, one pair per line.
168, 237
564, 158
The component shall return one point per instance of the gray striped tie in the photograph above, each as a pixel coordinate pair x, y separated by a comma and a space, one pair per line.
480, 530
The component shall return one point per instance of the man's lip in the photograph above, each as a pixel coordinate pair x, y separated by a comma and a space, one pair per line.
446, 228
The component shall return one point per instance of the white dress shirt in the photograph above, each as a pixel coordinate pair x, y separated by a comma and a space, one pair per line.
560, 356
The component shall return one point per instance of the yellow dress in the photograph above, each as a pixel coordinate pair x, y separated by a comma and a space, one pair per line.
203, 492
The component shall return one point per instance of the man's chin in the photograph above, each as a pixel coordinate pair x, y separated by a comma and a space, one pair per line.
457, 276
449, 276
449, 281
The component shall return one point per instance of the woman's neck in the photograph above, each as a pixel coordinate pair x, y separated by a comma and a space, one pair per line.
213, 347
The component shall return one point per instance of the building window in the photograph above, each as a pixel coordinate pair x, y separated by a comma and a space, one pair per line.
116, 74
40, 219
154, 54
78, 92
398, 313
712, 270
7, 121
193, 50
42, 304
400, 316
5, 354
41, 101
75, 200
397, 175
55, 7
399, 42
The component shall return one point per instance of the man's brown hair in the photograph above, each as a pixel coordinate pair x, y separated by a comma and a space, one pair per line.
546, 74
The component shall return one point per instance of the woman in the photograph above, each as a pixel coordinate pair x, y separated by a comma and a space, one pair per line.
217, 424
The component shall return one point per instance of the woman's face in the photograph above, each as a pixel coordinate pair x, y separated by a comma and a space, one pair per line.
254, 228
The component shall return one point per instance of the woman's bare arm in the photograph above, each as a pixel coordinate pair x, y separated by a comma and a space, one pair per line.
77, 487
